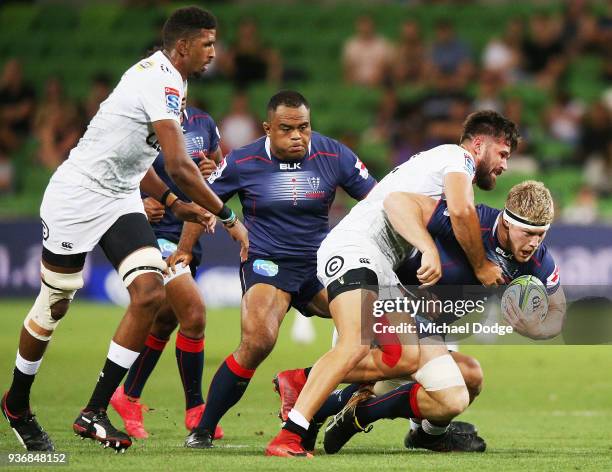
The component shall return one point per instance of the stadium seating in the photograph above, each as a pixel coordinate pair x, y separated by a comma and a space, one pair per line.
75, 44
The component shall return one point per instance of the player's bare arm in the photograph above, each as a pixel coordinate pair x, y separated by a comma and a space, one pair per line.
466, 226
155, 187
406, 215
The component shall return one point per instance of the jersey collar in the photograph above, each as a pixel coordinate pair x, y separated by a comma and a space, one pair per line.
269, 152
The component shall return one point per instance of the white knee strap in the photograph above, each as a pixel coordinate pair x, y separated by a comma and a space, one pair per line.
440, 373
53, 288
147, 259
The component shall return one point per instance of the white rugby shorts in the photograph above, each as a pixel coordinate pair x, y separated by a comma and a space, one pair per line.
75, 218
340, 253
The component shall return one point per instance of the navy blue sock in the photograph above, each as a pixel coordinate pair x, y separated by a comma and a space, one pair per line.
398, 403
143, 366
226, 389
335, 402
190, 360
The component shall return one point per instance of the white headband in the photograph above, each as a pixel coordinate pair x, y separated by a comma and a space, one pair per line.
522, 222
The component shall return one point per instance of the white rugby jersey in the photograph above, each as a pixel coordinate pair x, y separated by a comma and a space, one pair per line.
424, 174
120, 144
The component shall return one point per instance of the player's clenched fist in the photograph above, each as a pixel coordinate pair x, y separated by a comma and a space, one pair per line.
490, 274
154, 209
431, 268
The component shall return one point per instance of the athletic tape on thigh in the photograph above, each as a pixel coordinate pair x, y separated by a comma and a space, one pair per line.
440, 373
146, 259
53, 288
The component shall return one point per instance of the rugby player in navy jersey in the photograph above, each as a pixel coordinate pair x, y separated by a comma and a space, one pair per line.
184, 304
513, 237
286, 182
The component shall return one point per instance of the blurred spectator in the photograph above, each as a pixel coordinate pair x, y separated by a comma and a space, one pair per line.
583, 210
488, 95
58, 125
502, 56
17, 105
543, 50
522, 159
596, 132
101, 87
563, 118
240, 126
366, 56
248, 60
450, 56
445, 129
409, 61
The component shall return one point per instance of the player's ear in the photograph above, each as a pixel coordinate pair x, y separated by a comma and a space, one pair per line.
266, 127
182, 46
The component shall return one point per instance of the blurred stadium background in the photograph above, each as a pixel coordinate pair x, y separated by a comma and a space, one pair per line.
388, 78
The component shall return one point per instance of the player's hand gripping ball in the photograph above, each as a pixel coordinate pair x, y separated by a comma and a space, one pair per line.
529, 295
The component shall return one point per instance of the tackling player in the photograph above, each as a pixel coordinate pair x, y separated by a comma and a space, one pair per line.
365, 248
286, 182
93, 198
184, 304
514, 238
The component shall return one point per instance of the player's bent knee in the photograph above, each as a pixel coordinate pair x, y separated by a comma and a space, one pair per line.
473, 375
142, 261
147, 294
455, 402
56, 292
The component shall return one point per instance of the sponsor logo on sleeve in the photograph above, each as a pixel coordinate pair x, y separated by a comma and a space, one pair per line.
218, 171
363, 170
553, 279
469, 165
265, 268
144, 65
173, 100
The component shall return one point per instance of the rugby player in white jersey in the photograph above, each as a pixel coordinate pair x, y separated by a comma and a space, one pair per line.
93, 198
362, 251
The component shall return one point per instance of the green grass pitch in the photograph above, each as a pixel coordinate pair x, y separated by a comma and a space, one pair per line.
542, 408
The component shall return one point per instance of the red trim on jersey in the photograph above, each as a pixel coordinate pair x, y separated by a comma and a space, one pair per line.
485, 229
538, 263
321, 153
201, 115
184, 343
414, 404
237, 369
155, 343
248, 158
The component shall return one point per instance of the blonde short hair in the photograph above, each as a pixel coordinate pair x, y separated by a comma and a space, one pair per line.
531, 200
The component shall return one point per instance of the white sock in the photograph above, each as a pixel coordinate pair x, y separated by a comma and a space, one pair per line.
433, 429
25, 366
414, 425
299, 419
121, 355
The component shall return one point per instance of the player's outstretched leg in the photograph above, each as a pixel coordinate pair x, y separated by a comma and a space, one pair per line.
263, 309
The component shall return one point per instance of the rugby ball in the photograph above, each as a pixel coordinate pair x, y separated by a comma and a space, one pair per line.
529, 294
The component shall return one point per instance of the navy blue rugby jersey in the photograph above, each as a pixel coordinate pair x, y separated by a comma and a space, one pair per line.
456, 269
285, 203
201, 134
